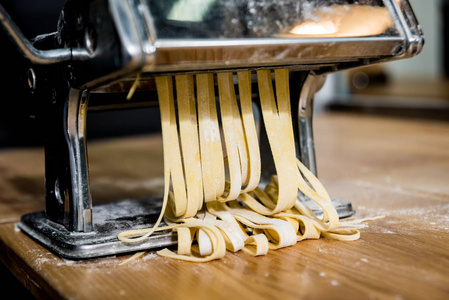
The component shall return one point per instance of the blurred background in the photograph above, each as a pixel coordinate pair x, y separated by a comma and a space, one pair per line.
416, 87
412, 88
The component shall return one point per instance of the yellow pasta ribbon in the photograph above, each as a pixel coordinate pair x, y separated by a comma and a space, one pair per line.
211, 196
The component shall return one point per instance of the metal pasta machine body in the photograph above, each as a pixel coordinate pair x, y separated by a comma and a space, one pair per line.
101, 46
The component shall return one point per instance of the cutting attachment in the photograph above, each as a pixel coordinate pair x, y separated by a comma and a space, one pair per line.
102, 46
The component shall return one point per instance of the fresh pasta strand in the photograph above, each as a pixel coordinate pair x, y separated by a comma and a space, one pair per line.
213, 201
133, 88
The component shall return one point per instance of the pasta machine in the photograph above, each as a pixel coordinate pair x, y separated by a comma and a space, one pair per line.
102, 46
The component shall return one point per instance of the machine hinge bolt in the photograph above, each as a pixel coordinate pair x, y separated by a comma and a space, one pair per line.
31, 79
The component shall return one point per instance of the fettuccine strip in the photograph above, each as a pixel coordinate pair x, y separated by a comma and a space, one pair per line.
211, 196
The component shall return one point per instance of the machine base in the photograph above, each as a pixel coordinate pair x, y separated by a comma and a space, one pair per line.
110, 220
113, 218
343, 208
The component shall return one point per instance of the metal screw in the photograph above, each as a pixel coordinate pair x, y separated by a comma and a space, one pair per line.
53, 96
79, 22
31, 78
89, 37
58, 195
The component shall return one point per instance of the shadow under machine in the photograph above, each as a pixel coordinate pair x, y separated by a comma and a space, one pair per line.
102, 46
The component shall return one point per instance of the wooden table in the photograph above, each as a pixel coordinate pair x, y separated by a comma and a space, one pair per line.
392, 167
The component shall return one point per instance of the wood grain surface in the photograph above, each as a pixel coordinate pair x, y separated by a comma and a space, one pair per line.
391, 167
